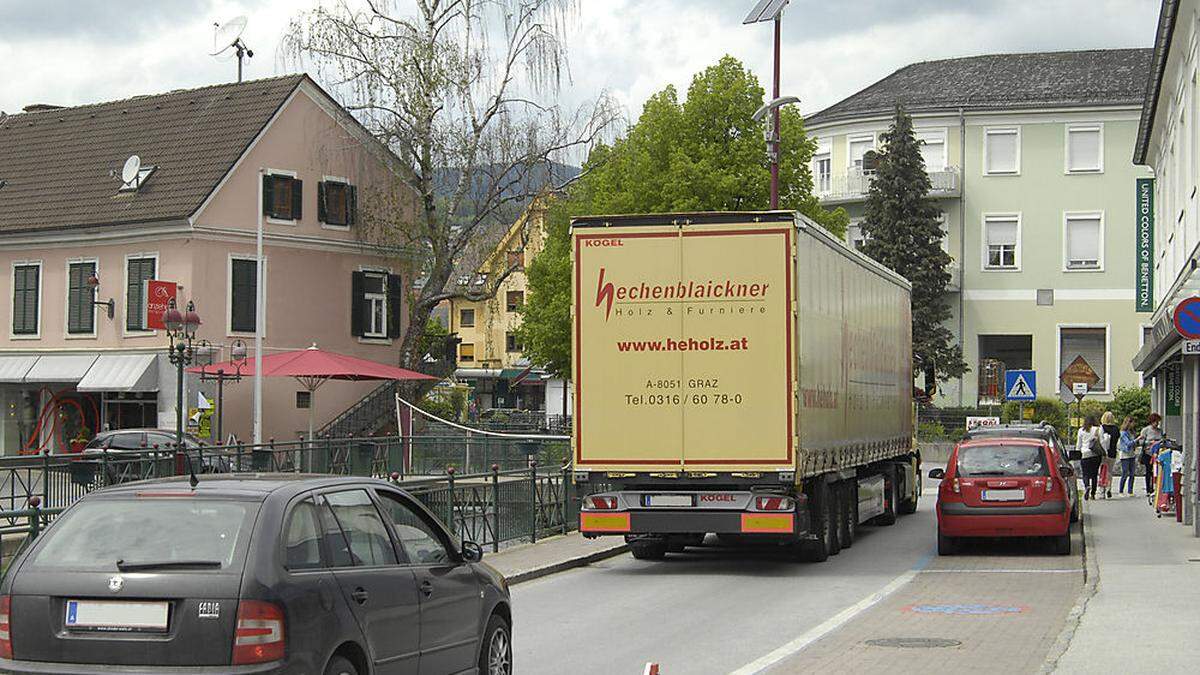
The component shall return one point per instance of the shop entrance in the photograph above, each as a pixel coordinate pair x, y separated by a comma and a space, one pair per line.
131, 411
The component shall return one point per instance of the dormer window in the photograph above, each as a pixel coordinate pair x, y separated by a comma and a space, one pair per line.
134, 185
336, 202
282, 196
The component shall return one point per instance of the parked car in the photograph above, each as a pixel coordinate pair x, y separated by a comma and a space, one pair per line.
1005, 487
269, 573
1045, 432
143, 443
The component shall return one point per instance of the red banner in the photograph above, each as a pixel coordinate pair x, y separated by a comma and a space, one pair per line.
158, 297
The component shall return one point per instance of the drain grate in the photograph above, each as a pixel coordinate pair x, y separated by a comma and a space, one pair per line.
914, 642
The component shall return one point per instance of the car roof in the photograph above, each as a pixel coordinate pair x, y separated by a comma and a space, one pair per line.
1023, 430
972, 442
244, 484
141, 430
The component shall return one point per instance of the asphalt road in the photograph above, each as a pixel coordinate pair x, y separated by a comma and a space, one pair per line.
710, 610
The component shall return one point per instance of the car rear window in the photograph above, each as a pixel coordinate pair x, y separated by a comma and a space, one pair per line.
96, 534
1002, 460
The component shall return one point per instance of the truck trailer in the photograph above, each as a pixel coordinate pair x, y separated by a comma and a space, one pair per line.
743, 374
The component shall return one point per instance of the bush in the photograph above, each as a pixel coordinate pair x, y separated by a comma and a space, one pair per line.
1050, 410
931, 431
1131, 402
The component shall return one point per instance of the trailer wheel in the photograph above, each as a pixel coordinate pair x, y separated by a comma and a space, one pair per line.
909, 504
648, 550
845, 529
818, 549
853, 497
836, 508
891, 496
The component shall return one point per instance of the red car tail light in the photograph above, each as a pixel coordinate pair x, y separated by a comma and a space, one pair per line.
6, 650
601, 503
773, 504
955, 487
258, 637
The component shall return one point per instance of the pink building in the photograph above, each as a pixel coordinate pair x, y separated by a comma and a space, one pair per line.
190, 218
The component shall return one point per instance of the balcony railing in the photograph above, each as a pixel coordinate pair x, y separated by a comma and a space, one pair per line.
853, 185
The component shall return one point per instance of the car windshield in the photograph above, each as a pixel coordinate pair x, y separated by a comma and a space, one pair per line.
1002, 460
151, 532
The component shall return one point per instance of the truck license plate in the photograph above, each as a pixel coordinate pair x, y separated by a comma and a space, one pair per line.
118, 616
669, 500
1004, 495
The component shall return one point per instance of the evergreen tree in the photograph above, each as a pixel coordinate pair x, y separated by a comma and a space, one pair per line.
901, 224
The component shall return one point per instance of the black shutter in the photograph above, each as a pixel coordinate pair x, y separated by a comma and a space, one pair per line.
25, 300
351, 204
356, 302
268, 195
243, 296
394, 305
297, 197
321, 216
133, 296
73, 309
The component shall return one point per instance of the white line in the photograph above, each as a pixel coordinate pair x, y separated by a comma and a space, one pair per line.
830, 625
1008, 571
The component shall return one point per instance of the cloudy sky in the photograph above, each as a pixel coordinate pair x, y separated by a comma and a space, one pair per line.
80, 51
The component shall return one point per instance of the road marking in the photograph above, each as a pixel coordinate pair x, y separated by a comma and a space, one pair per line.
833, 623
1002, 571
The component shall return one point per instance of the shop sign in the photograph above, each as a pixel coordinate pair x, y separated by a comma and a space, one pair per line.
1174, 384
159, 295
1144, 260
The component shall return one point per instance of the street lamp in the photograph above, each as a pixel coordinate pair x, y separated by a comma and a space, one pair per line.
181, 329
237, 354
110, 305
771, 10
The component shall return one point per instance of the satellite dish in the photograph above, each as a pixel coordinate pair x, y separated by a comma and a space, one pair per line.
227, 34
133, 166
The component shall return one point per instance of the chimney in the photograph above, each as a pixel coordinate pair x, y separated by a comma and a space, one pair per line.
41, 107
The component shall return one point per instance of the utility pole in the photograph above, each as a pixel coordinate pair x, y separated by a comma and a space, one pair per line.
772, 10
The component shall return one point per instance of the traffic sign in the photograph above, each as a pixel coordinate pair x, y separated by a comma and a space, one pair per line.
1191, 347
1187, 318
1079, 388
1020, 385
1080, 371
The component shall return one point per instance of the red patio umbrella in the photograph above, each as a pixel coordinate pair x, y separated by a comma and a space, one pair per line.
313, 367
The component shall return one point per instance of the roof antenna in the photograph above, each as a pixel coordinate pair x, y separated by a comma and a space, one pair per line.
228, 36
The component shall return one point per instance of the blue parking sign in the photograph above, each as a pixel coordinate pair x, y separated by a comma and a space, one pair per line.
1020, 385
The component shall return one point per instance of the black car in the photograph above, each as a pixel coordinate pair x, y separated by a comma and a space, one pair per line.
252, 574
1043, 431
125, 445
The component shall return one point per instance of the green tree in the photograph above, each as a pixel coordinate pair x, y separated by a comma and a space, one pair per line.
703, 154
901, 224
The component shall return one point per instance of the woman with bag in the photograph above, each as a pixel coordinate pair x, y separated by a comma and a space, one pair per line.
1087, 442
1109, 435
1149, 435
1127, 454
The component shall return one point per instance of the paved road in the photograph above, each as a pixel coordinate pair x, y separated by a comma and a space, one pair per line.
708, 611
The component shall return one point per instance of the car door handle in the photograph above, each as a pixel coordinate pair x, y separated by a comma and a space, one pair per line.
426, 588
359, 595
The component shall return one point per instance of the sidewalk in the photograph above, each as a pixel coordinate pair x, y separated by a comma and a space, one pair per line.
553, 554
1147, 599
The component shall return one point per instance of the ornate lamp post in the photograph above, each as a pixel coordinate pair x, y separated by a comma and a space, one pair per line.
237, 355
181, 329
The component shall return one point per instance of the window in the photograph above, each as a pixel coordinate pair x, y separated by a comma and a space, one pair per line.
466, 318
512, 343
243, 295
516, 260
27, 282
859, 146
466, 351
933, 149
337, 203
1089, 345
302, 538
365, 537
1084, 241
419, 539
823, 172
855, 236
282, 196
375, 304
1085, 143
81, 313
514, 300
1002, 235
1002, 151
137, 272
1014, 351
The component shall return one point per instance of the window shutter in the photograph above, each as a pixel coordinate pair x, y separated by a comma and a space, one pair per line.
356, 302
73, 309
244, 296
321, 213
394, 305
133, 296
1002, 152
351, 204
297, 198
1083, 239
1001, 232
268, 194
1083, 149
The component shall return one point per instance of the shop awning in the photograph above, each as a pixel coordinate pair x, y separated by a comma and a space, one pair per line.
60, 368
122, 372
13, 368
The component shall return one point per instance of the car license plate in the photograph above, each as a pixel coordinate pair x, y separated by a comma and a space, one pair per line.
116, 615
1004, 495
669, 500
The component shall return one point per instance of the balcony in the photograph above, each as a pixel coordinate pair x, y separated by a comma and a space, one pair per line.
853, 186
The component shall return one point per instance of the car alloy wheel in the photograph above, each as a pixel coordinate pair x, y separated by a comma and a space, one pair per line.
499, 653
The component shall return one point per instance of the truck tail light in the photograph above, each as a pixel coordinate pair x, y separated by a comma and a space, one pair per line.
6, 650
258, 637
601, 503
773, 504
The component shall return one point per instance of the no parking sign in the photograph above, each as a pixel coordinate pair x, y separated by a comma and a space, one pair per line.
1187, 318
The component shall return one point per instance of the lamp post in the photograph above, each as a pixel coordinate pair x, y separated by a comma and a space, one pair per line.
763, 11
181, 329
237, 356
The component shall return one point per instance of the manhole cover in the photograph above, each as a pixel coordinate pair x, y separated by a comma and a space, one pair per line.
913, 642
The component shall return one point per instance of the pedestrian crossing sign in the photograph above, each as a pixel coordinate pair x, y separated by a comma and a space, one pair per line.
1020, 385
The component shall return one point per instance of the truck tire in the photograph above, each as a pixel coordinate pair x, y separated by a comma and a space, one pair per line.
891, 496
648, 550
853, 497
845, 527
909, 505
836, 508
820, 525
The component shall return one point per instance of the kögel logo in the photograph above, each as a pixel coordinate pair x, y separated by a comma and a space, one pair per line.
718, 497
683, 291
603, 242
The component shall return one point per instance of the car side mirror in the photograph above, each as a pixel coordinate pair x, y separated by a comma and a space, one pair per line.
937, 473
471, 552
1066, 471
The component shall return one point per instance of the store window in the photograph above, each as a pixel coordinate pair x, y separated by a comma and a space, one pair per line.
1084, 347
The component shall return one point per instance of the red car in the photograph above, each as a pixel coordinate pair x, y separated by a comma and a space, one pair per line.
1003, 487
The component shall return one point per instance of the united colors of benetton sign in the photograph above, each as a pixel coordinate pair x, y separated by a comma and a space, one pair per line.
1144, 295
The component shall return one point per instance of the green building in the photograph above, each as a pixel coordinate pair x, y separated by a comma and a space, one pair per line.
1028, 155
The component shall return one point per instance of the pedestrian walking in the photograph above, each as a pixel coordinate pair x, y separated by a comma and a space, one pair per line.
1110, 433
1087, 443
1148, 436
1127, 455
